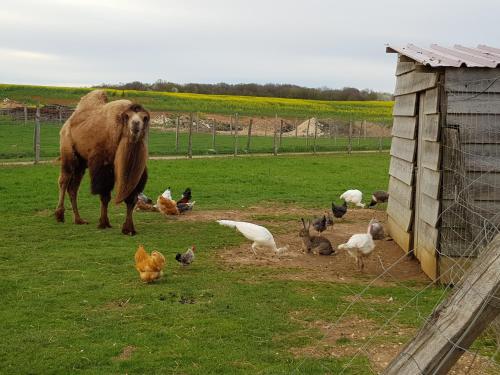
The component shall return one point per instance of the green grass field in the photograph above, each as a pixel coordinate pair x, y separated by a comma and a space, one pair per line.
72, 300
16, 142
375, 111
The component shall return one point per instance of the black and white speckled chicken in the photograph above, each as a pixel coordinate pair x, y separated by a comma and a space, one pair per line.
187, 258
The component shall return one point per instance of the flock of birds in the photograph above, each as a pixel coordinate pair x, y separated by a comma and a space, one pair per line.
359, 245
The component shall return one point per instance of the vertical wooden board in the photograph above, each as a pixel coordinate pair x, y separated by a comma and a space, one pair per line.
400, 236
403, 148
405, 67
430, 128
429, 236
428, 262
400, 214
429, 210
405, 105
431, 182
402, 192
431, 154
431, 102
404, 127
451, 270
402, 170
415, 82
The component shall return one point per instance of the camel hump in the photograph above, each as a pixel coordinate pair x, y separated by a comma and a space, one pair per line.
92, 100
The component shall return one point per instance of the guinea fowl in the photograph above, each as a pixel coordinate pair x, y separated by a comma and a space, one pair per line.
379, 196
321, 223
339, 211
187, 258
377, 230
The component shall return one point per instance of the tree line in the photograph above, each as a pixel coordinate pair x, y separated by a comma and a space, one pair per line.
254, 89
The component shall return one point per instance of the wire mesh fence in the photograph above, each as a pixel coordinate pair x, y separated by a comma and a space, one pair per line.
210, 134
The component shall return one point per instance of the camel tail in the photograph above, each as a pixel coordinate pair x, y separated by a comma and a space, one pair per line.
130, 167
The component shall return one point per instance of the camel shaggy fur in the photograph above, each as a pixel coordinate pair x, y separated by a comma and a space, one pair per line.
110, 140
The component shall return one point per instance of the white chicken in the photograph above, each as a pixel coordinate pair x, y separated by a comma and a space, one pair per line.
354, 197
359, 246
260, 236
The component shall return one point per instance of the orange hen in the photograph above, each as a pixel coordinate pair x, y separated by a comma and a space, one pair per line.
149, 266
167, 206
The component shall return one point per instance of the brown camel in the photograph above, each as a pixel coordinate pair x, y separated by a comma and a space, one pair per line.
109, 139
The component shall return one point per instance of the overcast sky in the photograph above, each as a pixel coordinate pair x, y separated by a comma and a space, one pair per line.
311, 43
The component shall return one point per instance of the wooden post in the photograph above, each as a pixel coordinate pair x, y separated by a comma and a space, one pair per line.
36, 137
380, 144
359, 135
296, 128
275, 143
307, 132
249, 135
349, 146
236, 135
457, 321
190, 137
177, 124
60, 115
214, 131
281, 133
315, 135
25, 115
364, 129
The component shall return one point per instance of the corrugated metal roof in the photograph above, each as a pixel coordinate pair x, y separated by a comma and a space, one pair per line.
457, 56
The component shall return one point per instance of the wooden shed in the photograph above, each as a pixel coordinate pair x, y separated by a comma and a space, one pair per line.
444, 182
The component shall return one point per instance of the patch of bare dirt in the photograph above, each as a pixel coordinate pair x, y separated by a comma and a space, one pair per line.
340, 267
126, 353
347, 338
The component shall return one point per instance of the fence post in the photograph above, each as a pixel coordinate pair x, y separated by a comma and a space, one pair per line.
60, 115
25, 115
236, 135
380, 144
349, 146
359, 135
296, 127
36, 137
281, 133
315, 135
249, 135
214, 130
275, 148
177, 124
307, 132
190, 138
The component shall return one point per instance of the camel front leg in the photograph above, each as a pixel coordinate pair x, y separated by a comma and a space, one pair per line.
104, 220
128, 225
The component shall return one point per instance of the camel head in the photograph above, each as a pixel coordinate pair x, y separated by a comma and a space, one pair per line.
135, 120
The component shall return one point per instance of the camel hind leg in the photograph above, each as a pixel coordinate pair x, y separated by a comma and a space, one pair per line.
78, 165
72, 171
